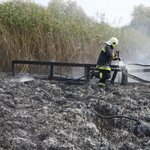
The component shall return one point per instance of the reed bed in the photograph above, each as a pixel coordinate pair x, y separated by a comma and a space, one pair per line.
31, 32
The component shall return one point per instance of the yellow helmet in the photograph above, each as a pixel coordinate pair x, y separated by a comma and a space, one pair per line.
113, 41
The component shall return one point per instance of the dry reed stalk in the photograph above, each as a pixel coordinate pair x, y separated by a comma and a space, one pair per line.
30, 32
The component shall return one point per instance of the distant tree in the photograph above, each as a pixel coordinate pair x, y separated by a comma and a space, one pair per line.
141, 19
69, 6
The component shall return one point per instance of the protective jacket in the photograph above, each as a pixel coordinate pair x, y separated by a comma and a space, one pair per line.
105, 57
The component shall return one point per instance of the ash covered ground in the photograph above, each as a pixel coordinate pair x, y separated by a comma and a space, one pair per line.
50, 115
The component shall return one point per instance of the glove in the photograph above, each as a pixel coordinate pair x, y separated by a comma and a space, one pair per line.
117, 59
116, 54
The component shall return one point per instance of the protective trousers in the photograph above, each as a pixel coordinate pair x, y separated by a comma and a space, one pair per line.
103, 75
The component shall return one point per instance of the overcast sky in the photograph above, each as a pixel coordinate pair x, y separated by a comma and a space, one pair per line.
114, 10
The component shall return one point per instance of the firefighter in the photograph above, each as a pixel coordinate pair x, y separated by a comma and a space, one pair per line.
104, 62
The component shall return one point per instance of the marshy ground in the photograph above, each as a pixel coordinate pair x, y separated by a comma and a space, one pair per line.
43, 114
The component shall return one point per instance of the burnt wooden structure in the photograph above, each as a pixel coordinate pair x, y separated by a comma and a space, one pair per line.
87, 69
51, 76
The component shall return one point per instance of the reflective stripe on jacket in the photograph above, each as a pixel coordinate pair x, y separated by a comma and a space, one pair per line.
104, 68
105, 57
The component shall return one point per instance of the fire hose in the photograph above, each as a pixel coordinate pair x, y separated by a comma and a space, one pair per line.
124, 72
117, 54
115, 116
103, 117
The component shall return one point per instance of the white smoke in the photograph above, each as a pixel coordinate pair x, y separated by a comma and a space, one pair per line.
21, 79
121, 64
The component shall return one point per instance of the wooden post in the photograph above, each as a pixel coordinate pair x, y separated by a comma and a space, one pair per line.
13, 68
124, 77
87, 72
114, 76
51, 73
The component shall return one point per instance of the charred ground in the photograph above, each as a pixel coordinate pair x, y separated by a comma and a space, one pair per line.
41, 114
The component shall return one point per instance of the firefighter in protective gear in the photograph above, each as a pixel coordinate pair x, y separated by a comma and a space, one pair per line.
104, 61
